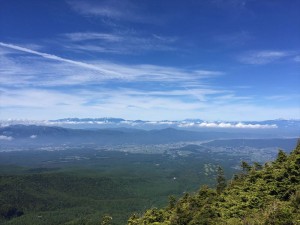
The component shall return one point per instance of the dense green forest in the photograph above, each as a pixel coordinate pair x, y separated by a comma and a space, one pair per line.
268, 194
93, 187
81, 186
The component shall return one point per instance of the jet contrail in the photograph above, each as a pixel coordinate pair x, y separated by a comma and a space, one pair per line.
104, 72
57, 58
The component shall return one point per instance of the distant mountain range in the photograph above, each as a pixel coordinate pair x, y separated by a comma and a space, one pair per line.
116, 131
108, 122
33, 135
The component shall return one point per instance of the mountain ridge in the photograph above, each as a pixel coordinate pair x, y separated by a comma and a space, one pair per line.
279, 126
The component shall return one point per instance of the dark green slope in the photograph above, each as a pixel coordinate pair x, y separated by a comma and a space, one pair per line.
268, 194
65, 198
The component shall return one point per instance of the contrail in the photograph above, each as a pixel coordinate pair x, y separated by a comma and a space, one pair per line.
58, 58
104, 72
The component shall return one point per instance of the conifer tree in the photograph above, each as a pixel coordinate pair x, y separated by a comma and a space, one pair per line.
221, 181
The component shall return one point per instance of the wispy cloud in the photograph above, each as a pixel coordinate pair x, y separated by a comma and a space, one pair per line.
234, 39
54, 57
124, 10
53, 87
133, 104
121, 42
263, 57
284, 97
120, 38
106, 98
5, 138
100, 8
42, 81
53, 70
297, 58
86, 36
99, 102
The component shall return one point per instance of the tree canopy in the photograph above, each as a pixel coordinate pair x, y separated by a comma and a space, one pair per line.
268, 194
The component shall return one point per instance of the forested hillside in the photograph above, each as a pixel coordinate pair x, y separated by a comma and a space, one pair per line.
83, 186
268, 194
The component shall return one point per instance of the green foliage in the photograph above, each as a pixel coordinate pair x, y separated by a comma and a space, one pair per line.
281, 157
172, 202
262, 195
133, 220
257, 166
295, 199
221, 181
83, 191
106, 220
245, 166
279, 213
56, 188
69, 198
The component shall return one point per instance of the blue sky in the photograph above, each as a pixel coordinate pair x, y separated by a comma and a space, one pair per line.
212, 59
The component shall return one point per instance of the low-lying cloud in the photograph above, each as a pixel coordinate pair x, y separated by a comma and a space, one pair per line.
229, 125
107, 122
5, 138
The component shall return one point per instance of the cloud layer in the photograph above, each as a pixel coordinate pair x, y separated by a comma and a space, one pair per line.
112, 122
263, 57
5, 138
53, 86
229, 125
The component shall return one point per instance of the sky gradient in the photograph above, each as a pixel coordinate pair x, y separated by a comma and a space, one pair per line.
231, 60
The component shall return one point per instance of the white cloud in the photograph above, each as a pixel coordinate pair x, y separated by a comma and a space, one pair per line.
5, 138
229, 125
114, 10
51, 70
285, 97
43, 86
178, 124
154, 123
39, 100
118, 42
101, 9
54, 57
85, 36
134, 104
33, 136
297, 58
262, 57
101, 102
